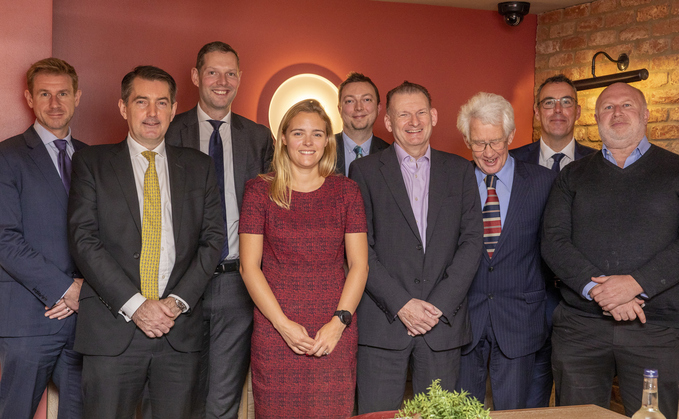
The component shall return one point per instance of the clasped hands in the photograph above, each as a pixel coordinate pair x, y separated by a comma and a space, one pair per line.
68, 304
419, 316
298, 339
156, 317
617, 295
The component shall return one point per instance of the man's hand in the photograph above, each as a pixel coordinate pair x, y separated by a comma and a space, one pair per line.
614, 290
68, 304
419, 316
172, 305
629, 311
154, 318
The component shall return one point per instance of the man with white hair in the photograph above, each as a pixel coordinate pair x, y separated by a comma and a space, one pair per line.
507, 296
611, 233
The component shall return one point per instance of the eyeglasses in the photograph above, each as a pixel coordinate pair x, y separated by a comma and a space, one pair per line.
495, 145
550, 102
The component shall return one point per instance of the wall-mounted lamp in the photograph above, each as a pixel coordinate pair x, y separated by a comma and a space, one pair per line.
604, 81
298, 88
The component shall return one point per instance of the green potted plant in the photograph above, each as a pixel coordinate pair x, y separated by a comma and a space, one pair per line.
438, 403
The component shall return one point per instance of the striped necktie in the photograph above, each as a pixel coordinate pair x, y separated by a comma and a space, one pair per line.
150, 230
492, 224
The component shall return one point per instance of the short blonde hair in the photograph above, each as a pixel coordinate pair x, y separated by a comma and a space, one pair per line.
280, 181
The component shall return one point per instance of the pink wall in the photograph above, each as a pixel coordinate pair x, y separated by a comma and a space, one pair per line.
453, 52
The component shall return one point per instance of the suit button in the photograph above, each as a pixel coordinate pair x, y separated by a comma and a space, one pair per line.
419, 247
490, 296
136, 255
491, 269
417, 281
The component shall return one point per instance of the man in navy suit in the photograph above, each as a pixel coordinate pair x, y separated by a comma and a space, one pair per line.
556, 106
359, 105
39, 282
507, 296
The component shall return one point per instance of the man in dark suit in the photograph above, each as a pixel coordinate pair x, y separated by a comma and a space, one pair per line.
507, 297
145, 228
39, 282
359, 105
556, 107
242, 149
425, 237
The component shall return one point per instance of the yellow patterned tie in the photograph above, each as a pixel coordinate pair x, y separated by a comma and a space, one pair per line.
150, 230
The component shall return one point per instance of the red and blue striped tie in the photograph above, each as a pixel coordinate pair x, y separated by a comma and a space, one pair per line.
492, 225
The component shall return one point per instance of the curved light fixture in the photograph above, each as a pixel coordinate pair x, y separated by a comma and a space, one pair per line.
298, 88
604, 81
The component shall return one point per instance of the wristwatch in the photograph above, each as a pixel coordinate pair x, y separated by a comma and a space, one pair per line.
180, 304
344, 316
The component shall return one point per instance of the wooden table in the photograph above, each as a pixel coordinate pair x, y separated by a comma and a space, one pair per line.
588, 411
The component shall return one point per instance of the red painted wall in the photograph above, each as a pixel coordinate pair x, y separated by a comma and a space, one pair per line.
453, 52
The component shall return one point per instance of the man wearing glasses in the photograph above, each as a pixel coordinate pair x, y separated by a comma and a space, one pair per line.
507, 296
557, 109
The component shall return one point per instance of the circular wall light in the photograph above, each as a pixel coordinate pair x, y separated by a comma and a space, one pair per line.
298, 88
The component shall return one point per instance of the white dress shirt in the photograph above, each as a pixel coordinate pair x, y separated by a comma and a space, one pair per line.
546, 153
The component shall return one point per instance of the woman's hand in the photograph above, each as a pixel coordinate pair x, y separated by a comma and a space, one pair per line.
296, 336
327, 337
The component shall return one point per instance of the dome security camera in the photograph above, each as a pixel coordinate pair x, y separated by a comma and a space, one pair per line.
513, 11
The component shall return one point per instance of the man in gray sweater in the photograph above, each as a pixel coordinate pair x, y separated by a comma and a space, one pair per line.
611, 233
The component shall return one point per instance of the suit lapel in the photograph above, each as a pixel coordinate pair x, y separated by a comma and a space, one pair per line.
517, 200
393, 177
341, 168
177, 177
190, 132
122, 167
239, 154
42, 159
534, 153
438, 181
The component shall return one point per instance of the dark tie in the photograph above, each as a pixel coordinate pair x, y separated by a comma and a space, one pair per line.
64, 163
217, 154
556, 167
359, 151
492, 224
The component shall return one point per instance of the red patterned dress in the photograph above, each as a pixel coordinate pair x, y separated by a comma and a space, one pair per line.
302, 260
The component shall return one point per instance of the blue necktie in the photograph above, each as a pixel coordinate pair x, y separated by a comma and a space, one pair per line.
217, 153
359, 151
64, 163
556, 167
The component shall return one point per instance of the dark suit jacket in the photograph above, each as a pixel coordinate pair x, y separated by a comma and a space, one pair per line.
510, 287
36, 267
399, 268
105, 240
530, 153
252, 145
376, 145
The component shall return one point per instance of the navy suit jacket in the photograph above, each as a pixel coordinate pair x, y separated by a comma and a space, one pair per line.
376, 145
510, 287
400, 268
36, 267
105, 239
252, 145
530, 153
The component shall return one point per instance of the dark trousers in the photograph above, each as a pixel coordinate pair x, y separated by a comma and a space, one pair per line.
589, 352
228, 311
540, 388
28, 363
381, 373
509, 377
113, 385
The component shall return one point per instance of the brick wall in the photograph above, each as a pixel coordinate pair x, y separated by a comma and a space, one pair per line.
647, 30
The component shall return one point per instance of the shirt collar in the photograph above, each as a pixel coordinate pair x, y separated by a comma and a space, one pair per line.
203, 116
350, 144
46, 136
136, 149
641, 148
546, 152
402, 155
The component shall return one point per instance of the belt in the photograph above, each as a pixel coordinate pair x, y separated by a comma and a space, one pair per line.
227, 266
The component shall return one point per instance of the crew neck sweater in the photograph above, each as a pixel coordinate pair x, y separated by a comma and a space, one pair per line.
604, 220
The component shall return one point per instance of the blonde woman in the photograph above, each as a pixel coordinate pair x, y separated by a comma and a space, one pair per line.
297, 224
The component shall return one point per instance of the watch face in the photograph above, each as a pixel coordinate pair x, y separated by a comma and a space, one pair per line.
345, 317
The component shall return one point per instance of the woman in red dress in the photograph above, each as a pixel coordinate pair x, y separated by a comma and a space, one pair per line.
297, 223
